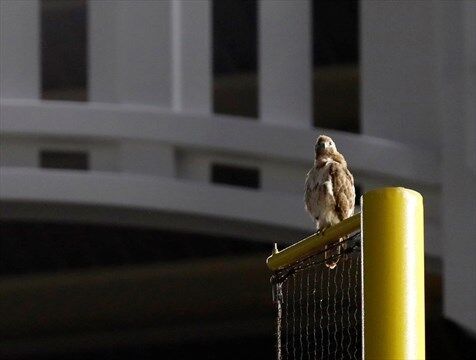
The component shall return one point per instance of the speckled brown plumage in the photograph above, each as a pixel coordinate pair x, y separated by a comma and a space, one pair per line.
329, 191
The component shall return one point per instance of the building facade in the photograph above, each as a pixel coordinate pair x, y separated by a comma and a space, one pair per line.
147, 150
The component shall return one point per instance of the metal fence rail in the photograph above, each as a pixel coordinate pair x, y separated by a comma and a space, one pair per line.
371, 305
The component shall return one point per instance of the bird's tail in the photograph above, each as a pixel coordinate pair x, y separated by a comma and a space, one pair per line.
330, 255
333, 252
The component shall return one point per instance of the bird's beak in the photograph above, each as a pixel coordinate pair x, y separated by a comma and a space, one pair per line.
320, 146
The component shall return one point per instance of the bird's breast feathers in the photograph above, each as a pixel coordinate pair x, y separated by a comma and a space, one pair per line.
317, 176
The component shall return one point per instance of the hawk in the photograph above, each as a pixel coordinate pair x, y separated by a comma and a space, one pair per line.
329, 191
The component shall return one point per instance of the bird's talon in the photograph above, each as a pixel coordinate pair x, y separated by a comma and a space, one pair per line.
321, 231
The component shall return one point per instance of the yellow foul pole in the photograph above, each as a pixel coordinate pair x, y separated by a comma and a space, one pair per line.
393, 275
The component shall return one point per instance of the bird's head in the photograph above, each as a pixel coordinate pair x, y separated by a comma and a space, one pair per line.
324, 146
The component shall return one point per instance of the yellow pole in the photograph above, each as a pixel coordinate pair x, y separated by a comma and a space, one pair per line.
393, 275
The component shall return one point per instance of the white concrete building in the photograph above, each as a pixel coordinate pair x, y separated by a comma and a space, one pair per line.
150, 139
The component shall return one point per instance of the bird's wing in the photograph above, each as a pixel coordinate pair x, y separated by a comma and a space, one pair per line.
343, 189
310, 192
307, 188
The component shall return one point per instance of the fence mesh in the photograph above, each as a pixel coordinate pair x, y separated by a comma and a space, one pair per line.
319, 308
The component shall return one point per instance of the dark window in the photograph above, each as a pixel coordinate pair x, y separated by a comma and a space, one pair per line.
64, 50
336, 64
53, 159
235, 79
235, 175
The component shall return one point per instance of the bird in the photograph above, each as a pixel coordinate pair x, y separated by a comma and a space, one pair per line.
329, 194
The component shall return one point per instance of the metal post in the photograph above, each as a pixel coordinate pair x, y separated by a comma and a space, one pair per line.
393, 275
